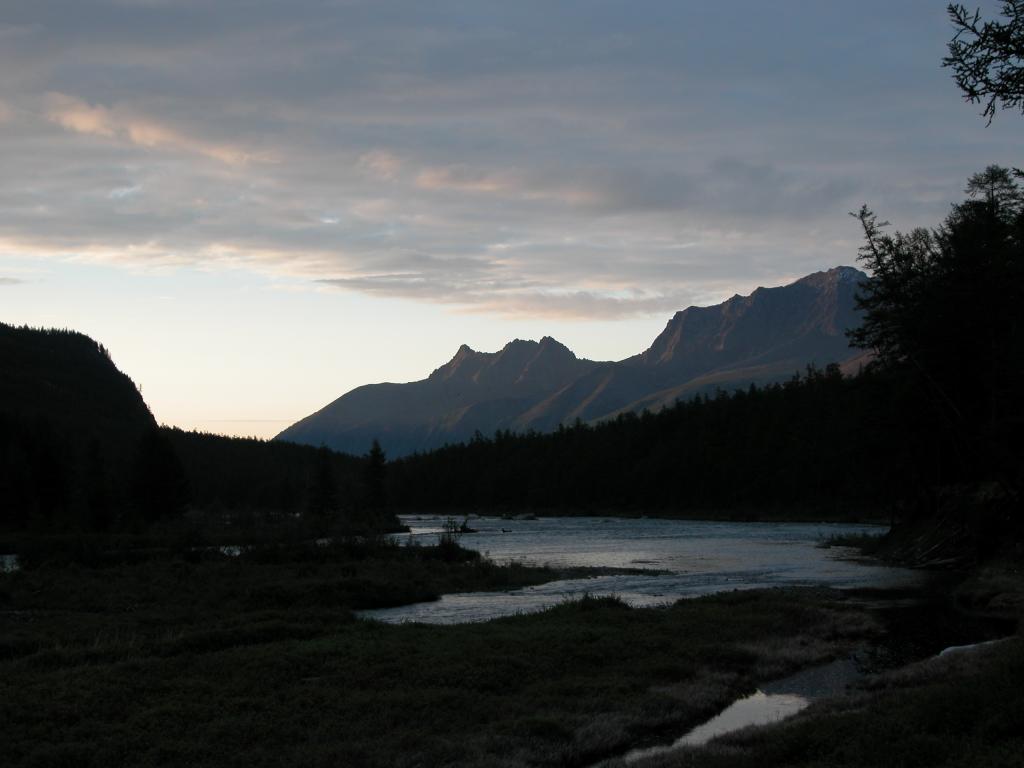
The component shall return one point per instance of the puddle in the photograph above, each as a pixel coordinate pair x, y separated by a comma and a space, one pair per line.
759, 708
769, 704
916, 631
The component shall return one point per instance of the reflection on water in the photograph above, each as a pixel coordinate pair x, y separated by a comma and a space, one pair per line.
9, 563
770, 704
758, 708
672, 559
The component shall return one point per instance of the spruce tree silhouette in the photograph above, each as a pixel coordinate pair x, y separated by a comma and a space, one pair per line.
323, 494
373, 479
159, 488
947, 306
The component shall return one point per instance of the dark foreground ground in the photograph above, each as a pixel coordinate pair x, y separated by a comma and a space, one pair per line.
258, 661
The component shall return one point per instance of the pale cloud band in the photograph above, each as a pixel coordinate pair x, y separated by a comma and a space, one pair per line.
554, 160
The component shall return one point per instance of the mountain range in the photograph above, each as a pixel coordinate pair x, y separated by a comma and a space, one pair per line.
529, 385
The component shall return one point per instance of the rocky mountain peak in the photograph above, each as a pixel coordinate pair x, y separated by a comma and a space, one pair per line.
767, 319
835, 276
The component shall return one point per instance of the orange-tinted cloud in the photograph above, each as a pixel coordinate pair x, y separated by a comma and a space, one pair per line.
79, 116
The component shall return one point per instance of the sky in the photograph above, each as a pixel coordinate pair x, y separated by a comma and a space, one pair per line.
257, 206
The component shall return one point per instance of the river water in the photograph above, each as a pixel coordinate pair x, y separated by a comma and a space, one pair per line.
671, 559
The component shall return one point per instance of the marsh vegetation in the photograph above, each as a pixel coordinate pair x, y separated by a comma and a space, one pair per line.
246, 664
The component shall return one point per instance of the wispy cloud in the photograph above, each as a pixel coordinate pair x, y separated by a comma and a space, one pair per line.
121, 123
509, 299
10, 281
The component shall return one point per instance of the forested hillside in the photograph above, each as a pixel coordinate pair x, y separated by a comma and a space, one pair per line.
75, 434
821, 444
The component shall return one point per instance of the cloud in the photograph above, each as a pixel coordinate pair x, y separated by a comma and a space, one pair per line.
509, 299
380, 163
581, 305
76, 115
571, 160
461, 179
10, 281
542, 186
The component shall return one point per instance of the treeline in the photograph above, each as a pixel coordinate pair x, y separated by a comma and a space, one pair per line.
52, 485
247, 476
821, 443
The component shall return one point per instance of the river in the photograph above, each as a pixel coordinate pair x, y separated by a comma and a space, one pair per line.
669, 559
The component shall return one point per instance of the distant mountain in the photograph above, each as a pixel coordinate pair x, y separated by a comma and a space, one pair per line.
764, 337
473, 391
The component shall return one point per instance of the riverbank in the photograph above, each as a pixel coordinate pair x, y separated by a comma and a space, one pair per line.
788, 513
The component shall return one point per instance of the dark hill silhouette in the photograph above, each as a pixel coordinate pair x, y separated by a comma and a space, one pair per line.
81, 452
69, 380
70, 423
761, 338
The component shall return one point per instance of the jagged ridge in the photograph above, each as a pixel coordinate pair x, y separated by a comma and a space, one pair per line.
763, 337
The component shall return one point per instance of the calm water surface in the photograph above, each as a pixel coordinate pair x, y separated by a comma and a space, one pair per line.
774, 702
681, 558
